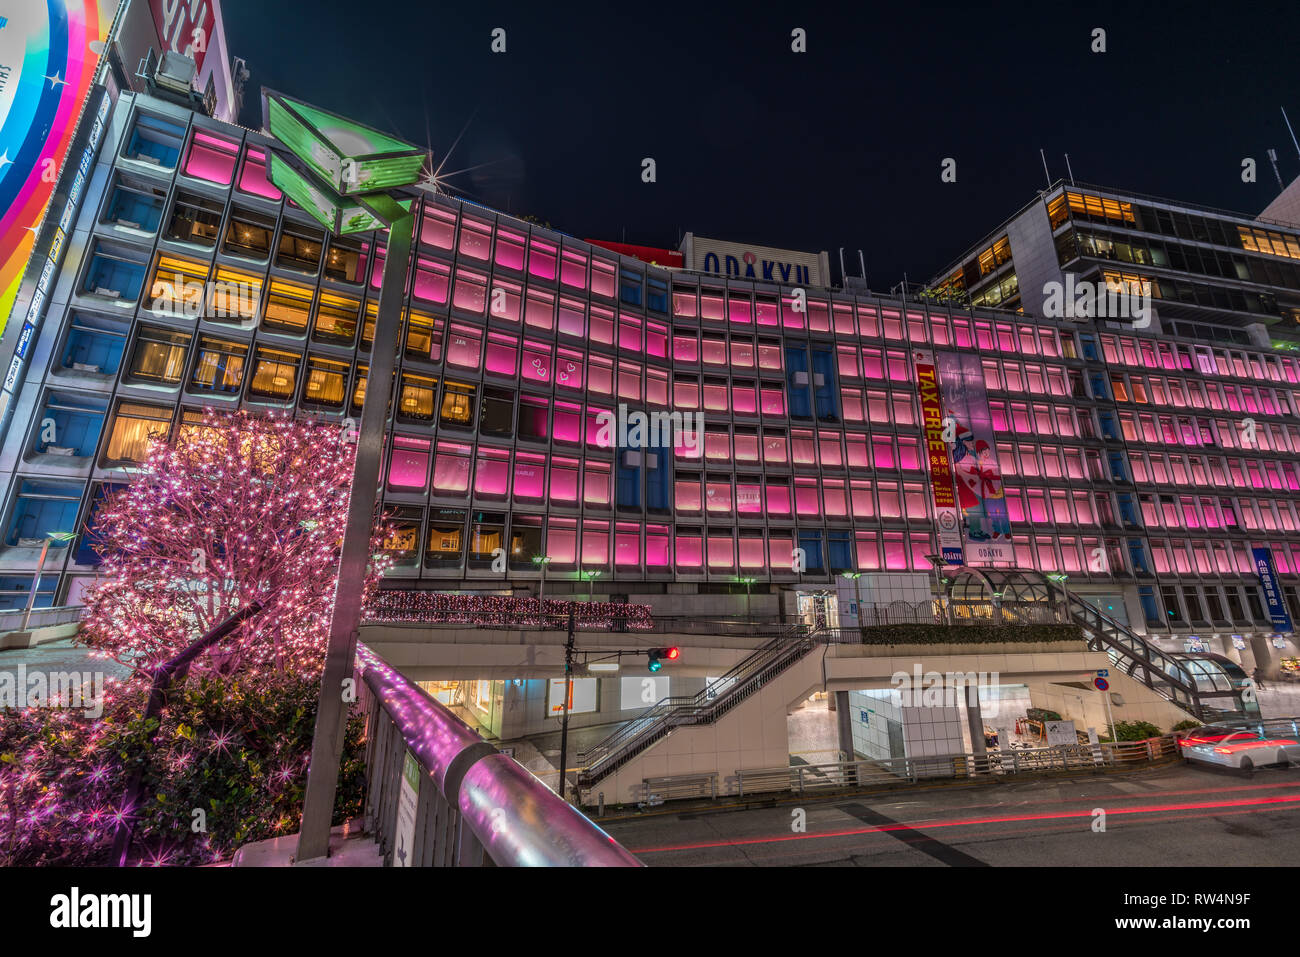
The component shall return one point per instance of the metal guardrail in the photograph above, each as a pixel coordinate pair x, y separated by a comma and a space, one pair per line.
12, 620
848, 775
474, 806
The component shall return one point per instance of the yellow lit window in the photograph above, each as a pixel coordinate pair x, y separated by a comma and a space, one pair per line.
287, 307
177, 287
275, 374
417, 396
336, 318
326, 382
234, 295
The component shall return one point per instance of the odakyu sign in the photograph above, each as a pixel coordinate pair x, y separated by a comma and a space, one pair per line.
48, 55
756, 263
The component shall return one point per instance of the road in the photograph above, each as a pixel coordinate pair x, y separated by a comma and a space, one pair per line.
1176, 816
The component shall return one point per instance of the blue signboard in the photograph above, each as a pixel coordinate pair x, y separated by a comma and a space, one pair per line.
1273, 599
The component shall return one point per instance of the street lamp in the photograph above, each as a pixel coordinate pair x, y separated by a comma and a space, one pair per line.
541, 561
51, 538
590, 577
747, 582
1061, 578
937, 562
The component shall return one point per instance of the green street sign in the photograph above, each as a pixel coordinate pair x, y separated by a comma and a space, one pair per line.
351, 158
340, 215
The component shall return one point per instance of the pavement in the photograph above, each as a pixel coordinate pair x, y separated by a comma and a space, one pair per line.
1178, 815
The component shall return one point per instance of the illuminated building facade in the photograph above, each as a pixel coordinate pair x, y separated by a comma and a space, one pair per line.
191, 282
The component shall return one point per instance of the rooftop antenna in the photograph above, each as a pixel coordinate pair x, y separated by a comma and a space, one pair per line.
1045, 172
843, 275
1068, 169
1272, 158
1291, 131
863, 263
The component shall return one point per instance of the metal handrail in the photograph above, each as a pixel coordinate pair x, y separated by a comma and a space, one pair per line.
483, 802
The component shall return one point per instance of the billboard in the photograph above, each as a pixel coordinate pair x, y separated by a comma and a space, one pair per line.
981, 497
185, 26
1273, 598
48, 56
653, 255
937, 458
758, 263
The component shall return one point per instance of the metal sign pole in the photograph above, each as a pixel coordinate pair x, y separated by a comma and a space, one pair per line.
331, 717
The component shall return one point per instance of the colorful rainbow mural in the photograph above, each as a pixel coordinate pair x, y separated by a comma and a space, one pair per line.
49, 50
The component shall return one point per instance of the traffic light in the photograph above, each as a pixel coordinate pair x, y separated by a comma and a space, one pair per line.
656, 656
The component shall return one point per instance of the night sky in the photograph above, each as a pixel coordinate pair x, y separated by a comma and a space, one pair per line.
841, 145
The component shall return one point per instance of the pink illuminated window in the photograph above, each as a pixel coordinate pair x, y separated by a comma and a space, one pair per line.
562, 541
770, 357
595, 439
656, 340
629, 381
573, 269
470, 294
717, 498
595, 544
686, 495
791, 318
802, 451
686, 394
567, 427
819, 316
772, 402
857, 450
828, 444
711, 305
806, 498
690, 551
742, 398
629, 333
775, 450
510, 249
253, 178
211, 158
656, 546
751, 551
717, 446
595, 485
564, 481
492, 473
686, 347
688, 450
542, 259
627, 546
431, 280
502, 354
848, 361
438, 228
890, 507
602, 326
722, 551
882, 451
778, 499
909, 458
600, 375
530, 477
537, 363
464, 347
914, 502
656, 387
475, 239
749, 498
766, 312
895, 554
916, 328
893, 324
539, 310
863, 502
853, 408
451, 470
780, 551
684, 304
740, 309
602, 278
833, 497
843, 319
868, 546
714, 351
715, 396
742, 353
568, 368
505, 300
572, 318
409, 465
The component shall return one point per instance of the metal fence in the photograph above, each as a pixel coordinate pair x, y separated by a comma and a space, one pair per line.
849, 775
40, 617
467, 804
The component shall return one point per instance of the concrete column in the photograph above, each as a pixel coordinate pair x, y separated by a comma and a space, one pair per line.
1263, 655
975, 720
843, 721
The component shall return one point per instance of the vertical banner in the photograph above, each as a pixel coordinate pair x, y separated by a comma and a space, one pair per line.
1273, 600
980, 494
936, 454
